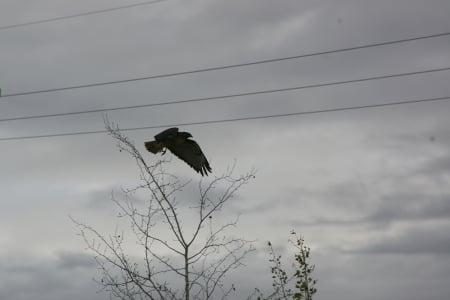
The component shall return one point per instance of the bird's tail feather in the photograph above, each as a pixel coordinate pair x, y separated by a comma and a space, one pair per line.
154, 146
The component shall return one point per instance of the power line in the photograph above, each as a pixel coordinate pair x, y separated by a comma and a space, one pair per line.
94, 12
234, 119
222, 97
224, 67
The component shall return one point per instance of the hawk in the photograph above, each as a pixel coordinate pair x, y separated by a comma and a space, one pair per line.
179, 144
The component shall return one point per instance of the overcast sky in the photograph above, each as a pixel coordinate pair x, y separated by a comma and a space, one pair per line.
369, 189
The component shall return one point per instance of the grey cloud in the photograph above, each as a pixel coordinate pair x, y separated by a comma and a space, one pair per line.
338, 197
391, 209
101, 199
75, 260
64, 276
104, 198
347, 204
413, 241
341, 178
411, 207
346, 276
438, 167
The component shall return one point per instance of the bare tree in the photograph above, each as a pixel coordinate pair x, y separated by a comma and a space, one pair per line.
178, 260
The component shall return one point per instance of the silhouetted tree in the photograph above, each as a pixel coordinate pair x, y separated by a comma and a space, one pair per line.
177, 261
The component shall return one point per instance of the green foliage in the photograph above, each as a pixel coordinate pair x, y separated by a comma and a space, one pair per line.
305, 284
298, 286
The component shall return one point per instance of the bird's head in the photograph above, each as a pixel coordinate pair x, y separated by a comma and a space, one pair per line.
185, 134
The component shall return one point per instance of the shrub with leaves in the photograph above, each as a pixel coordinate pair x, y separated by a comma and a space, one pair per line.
298, 286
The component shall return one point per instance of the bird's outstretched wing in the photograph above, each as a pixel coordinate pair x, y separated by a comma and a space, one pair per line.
190, 152
167, 135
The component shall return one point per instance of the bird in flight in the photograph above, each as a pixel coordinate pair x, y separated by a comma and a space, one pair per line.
179, 144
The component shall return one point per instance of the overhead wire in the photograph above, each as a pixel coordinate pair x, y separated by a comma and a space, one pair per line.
234, 119
94, 12
222, 97
257, 62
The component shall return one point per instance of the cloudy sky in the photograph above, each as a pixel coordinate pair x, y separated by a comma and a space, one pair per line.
368, 189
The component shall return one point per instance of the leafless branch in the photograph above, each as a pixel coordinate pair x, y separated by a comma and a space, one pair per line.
200, 259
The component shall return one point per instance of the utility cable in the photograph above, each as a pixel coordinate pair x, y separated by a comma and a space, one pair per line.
224, 67
234, 119
94, 12
222, 97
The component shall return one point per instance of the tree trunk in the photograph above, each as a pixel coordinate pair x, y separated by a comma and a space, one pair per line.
186, 273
